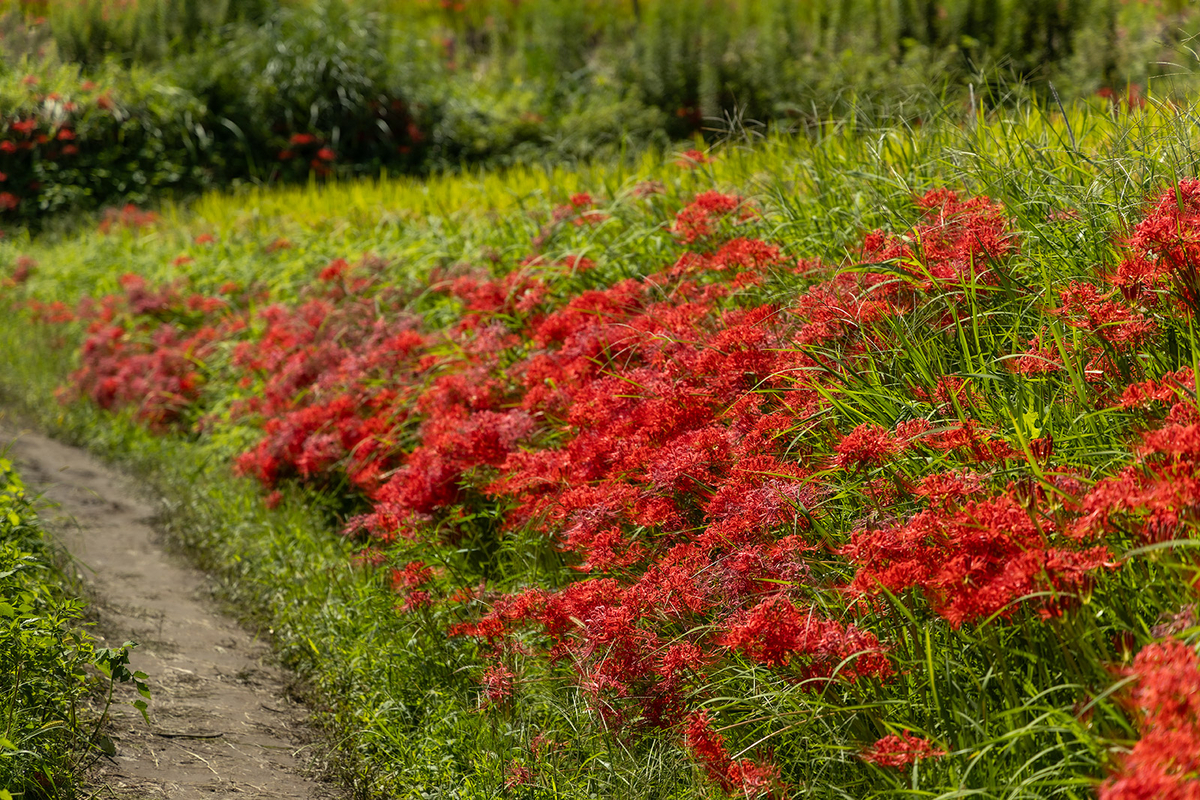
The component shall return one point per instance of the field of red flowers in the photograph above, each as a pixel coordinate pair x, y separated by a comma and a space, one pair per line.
916, 519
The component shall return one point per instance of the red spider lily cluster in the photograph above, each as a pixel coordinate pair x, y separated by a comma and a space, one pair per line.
901, 750
1166, 695
685, 445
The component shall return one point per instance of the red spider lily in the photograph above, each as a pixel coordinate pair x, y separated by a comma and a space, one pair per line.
696, 220
518, 773
865, 446
129, 217
1156, 499
901, 750
498, 683
955, 243
1165, 761
1083, 306
776, 632
746, 777
974, 561
690, 159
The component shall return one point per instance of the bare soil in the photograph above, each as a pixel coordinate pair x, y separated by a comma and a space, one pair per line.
221, 721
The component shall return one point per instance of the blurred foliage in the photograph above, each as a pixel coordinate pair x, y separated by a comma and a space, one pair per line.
209, 94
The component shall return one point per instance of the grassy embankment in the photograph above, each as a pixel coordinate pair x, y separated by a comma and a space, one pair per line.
50, 732
934, 375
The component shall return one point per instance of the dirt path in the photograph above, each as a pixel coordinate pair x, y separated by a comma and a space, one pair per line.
221, 724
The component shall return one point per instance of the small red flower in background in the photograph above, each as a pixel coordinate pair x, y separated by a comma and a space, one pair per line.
25, 126
7, 147
302, 139
9, 201
498, 683
336, 269
129, 217
901, 750
690, 159
518, 773
326, 154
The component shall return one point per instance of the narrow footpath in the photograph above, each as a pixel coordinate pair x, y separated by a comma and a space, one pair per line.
221, 723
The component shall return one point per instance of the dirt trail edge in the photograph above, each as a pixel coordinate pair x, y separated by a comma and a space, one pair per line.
221, 725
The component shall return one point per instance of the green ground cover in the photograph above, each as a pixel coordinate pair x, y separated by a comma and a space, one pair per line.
49, 732
998, 380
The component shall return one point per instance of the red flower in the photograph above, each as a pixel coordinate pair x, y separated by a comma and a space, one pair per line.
776, 632
9, 201
974, 561
695, 221
326, 154
302, 139
498, 683
865, 446
1165, 761
690, 159
334, 270
745, 777
901, 750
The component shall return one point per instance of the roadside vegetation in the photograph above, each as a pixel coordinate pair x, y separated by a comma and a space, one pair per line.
52, 674
654, 399
852, 464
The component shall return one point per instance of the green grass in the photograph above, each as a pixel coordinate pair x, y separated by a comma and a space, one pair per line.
50, 731
399, 700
